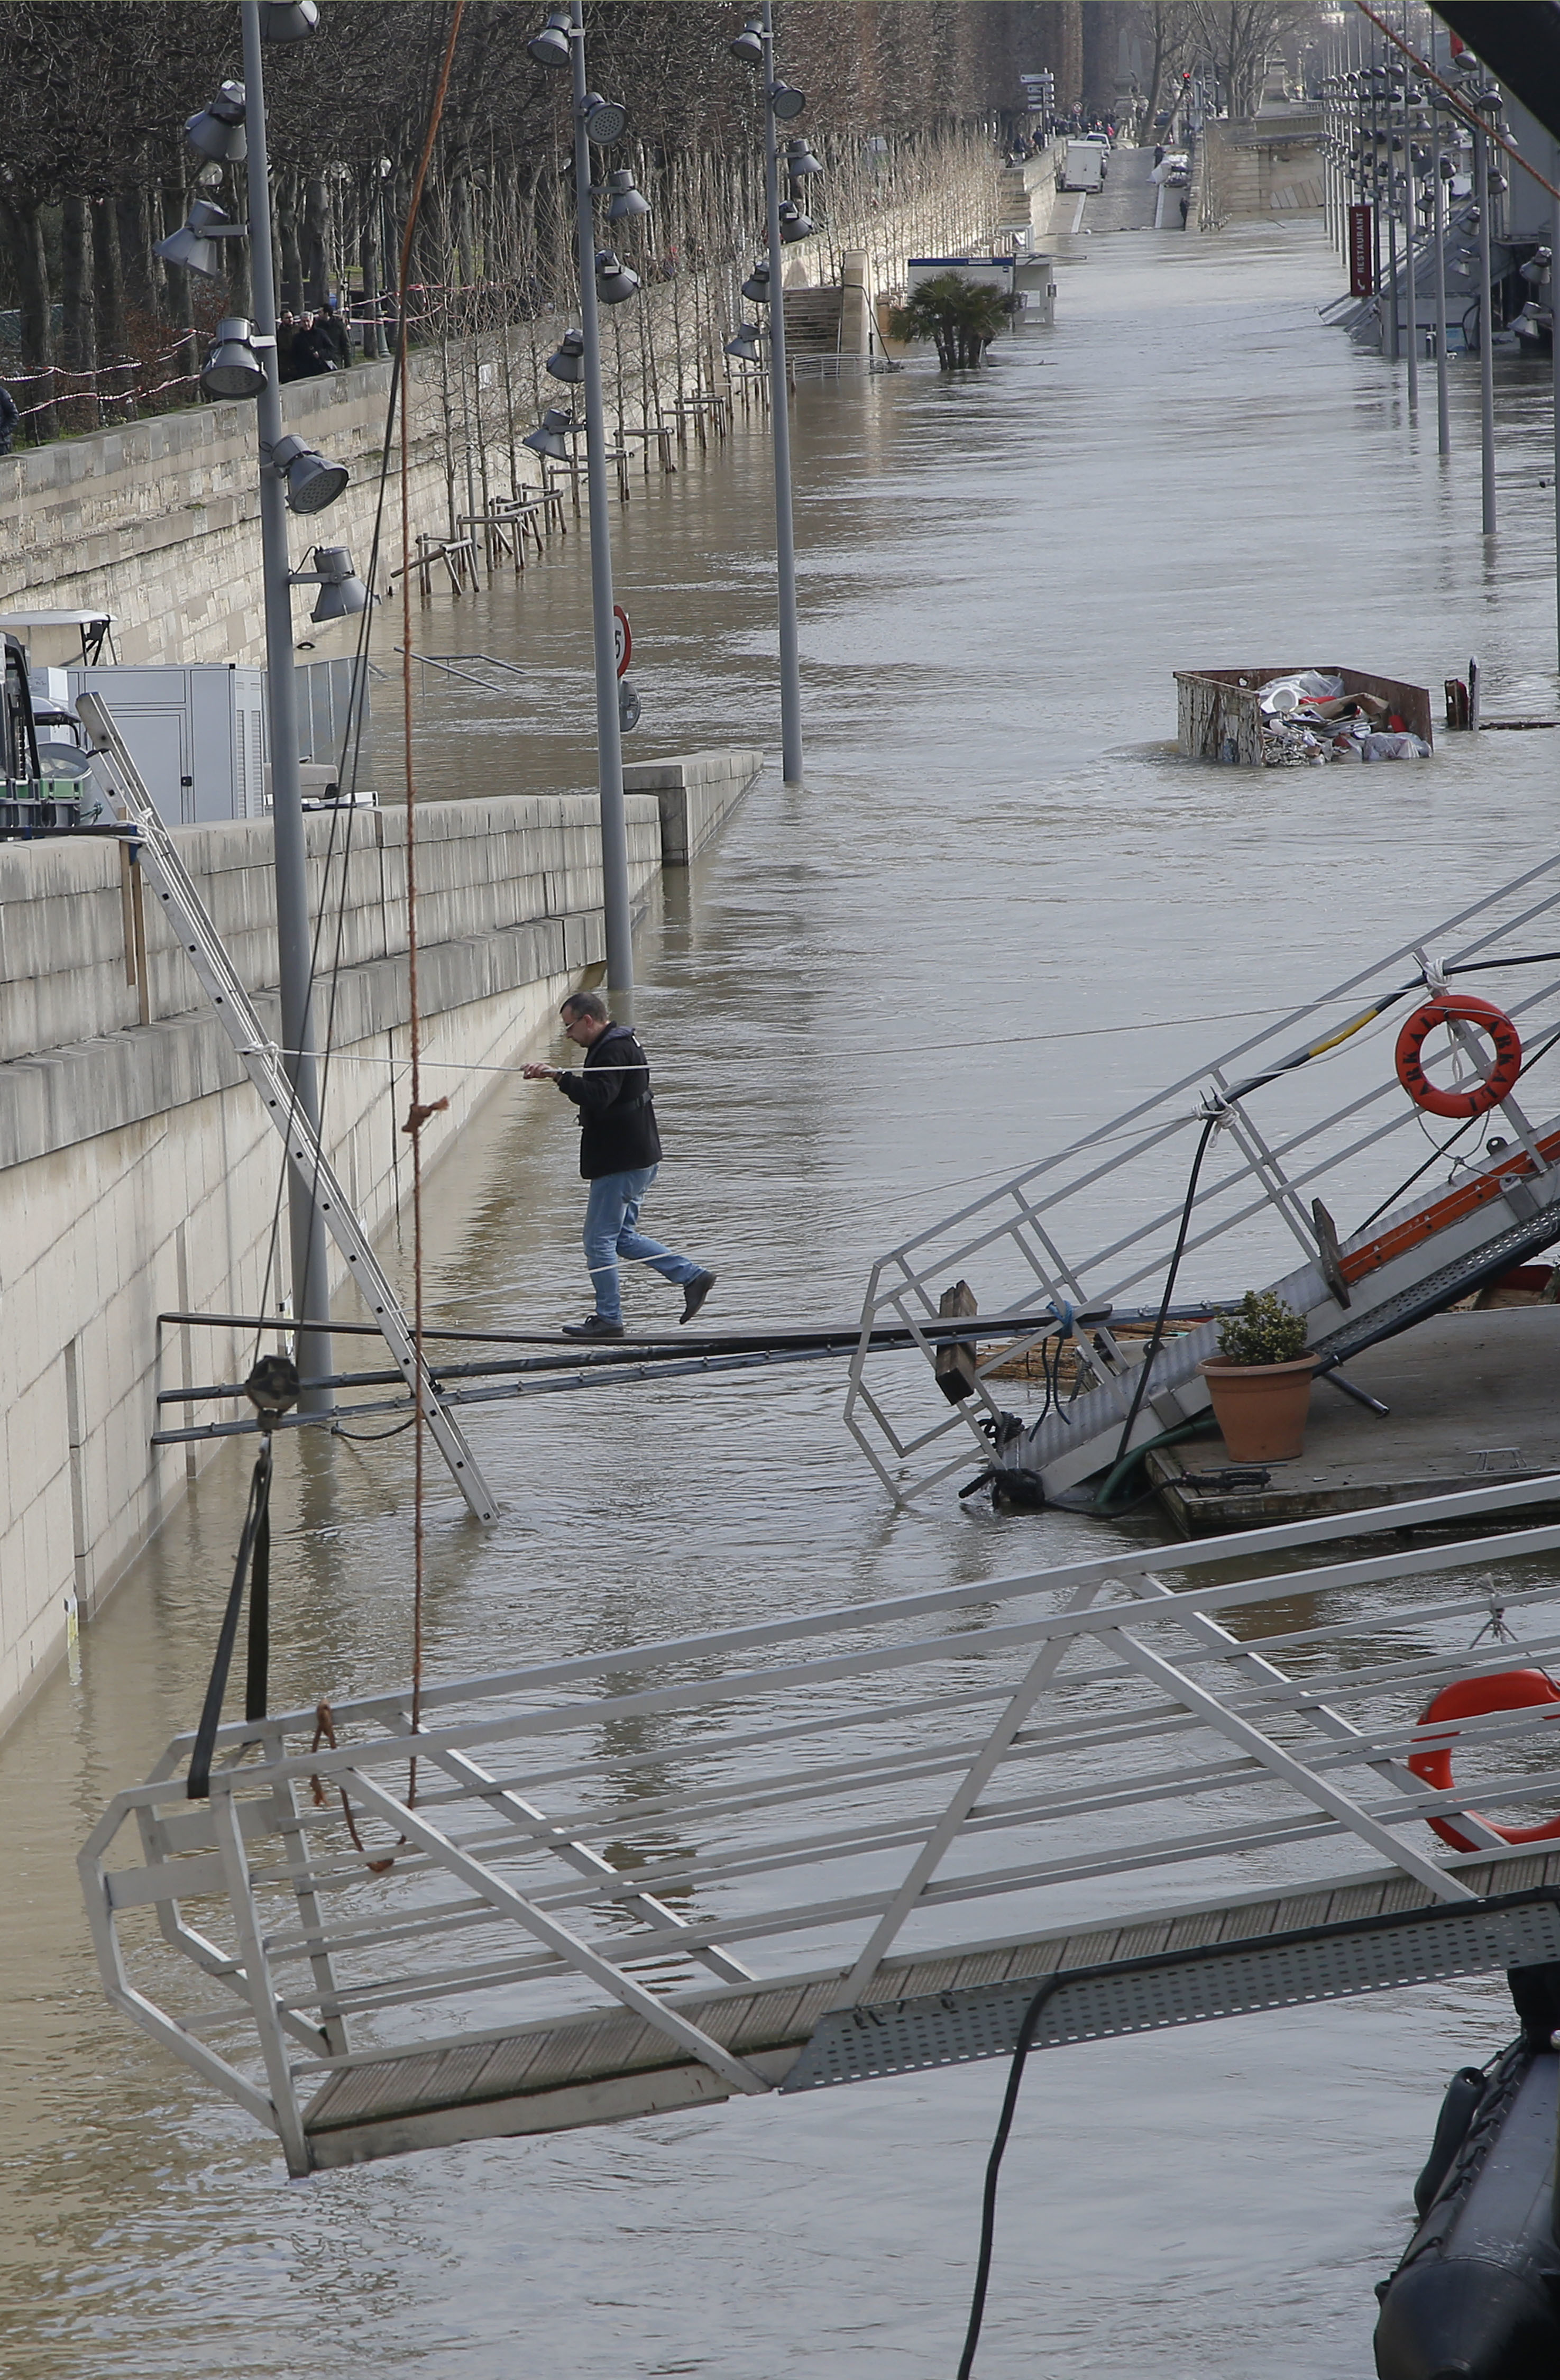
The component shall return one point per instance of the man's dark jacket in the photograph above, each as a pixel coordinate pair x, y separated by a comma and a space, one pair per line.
617, 1121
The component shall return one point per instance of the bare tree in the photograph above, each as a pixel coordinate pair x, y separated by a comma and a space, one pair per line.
1238, 37
1169, 30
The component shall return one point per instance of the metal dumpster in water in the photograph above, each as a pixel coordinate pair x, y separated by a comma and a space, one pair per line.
1218, 719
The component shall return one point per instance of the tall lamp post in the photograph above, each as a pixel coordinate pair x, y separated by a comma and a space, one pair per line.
754, 45
293, 478
601, 122
1486, 321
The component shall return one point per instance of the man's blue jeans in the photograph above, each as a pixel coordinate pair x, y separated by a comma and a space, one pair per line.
612, 1218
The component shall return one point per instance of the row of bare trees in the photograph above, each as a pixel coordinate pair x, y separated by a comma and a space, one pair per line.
1234, 41
94, 170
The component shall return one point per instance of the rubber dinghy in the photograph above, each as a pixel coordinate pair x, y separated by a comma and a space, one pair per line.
1477, 2295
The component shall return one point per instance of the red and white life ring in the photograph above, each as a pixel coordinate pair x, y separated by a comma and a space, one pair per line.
1474, 1698
1497, 1085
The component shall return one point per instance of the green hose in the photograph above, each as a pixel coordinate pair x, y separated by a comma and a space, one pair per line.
1203, 1427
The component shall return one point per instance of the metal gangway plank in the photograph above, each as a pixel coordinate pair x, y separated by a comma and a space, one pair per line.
1140, 1756
1307, 1123
1157, 1969
261, 1060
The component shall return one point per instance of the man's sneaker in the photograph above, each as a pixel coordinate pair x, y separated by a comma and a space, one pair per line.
595, 1326
694, 1293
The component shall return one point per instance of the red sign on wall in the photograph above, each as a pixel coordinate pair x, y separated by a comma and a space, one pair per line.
1362, 251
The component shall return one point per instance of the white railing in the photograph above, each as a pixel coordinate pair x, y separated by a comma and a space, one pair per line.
646, 1830
1308, 1108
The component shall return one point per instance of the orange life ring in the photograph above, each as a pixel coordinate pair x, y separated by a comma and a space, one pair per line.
1473, 1698
1498, 1083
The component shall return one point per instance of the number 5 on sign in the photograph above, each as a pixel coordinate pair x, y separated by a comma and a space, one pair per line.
623, 638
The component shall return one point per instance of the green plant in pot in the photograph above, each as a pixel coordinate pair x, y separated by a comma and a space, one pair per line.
1260, 1380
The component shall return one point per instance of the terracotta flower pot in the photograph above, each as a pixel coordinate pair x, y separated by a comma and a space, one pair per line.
1261, 1408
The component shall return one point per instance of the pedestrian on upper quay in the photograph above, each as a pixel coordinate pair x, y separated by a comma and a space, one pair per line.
10, 414
334, 334
311, 349
620, 1155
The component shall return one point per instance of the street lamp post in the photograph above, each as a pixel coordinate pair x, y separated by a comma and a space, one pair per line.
609, 726
1438, 236
1486, 331
755, 46
293, 478
561, 41
311, 1278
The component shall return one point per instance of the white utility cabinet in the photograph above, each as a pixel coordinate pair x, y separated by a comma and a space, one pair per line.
197, 734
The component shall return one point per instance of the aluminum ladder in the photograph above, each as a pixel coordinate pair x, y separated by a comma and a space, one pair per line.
261, 1060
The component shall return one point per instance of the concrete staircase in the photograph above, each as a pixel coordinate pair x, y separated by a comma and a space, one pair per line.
813, 319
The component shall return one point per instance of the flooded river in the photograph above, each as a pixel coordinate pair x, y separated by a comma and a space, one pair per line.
873, 997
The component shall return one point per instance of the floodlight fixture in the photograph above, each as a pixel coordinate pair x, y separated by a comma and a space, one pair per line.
799, 158
311, 481
193, 246
342, 592
551, 46
616, 282
218, 131
550, 440
748, 45
288, 20
627, 199
743, 344
567, 360
234, 367
786, 102
606, 120
756, 288
794, 223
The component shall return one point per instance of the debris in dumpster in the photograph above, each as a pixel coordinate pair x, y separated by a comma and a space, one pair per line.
1297, 718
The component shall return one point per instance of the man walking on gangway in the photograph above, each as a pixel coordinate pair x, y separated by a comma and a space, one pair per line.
619, 1154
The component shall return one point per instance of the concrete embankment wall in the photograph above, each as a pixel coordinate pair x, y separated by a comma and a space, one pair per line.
157, 521
137, 1174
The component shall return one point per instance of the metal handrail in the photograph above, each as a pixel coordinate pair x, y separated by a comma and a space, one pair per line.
846, 1787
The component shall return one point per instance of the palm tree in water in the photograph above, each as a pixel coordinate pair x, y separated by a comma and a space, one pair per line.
960, 317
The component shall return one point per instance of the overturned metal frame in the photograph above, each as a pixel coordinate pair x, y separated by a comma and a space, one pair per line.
1032, 1246
653, 1877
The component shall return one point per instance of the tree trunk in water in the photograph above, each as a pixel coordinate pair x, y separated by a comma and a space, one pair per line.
29, 265
75, 289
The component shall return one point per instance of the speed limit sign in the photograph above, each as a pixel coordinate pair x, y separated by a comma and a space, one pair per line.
623, 638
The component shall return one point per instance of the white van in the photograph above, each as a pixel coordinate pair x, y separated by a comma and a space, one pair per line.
1082, 167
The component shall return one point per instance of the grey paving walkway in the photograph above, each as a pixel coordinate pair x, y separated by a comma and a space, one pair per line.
1128, 200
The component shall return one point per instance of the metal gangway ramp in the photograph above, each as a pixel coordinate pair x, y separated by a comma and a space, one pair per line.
1322, 1180
820, 1848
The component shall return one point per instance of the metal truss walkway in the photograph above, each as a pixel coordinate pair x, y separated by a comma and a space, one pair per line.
1310, 1128
814, 1850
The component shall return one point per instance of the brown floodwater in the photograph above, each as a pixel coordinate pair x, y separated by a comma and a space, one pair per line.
843, 1000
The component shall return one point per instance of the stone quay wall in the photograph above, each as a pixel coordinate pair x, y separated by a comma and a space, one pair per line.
138, 1173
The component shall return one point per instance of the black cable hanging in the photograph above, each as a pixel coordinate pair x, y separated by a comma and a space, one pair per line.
273, 1388
1028, 2026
